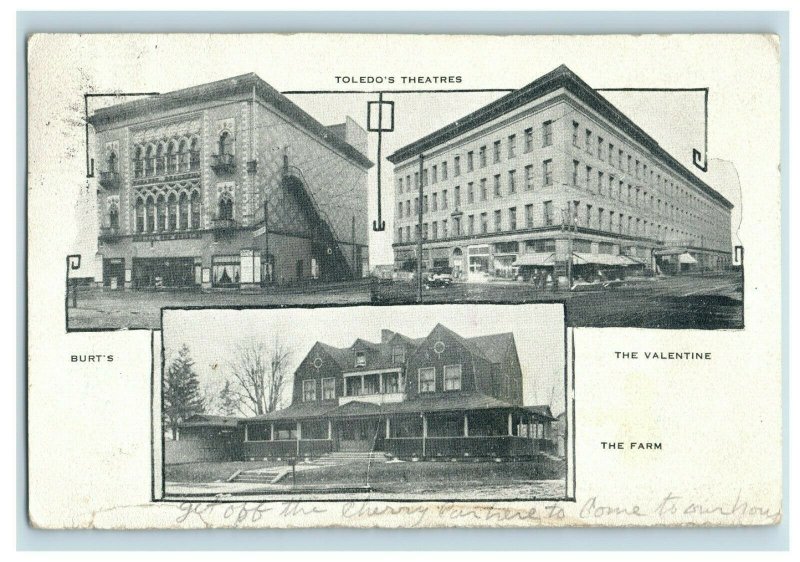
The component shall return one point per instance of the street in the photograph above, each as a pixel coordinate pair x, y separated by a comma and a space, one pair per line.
107, 309
707, 301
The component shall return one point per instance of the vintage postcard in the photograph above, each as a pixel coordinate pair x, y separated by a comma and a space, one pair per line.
403, 281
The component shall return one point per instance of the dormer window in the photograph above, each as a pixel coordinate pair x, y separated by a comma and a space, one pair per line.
427, 379
452, 377
361, 359
398, 354
310, 390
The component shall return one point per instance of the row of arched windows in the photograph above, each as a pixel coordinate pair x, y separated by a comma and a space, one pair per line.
166, 157
166, 214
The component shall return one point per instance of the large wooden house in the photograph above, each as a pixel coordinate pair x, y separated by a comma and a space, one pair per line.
443, 395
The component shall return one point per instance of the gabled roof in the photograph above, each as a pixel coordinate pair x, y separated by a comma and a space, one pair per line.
244, 84
494, 346
210, 420
561, 77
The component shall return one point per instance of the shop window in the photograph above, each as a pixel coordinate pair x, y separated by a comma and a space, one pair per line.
427, 379
225, 270
452, 377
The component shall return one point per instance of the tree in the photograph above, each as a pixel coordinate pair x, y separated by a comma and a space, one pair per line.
181, 392
259, 377
228, 400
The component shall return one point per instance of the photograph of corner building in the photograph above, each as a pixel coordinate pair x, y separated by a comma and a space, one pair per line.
227, 184
552, 177
380, 411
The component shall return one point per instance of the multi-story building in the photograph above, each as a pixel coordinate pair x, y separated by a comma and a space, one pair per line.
548, 176
442, 395
228, 184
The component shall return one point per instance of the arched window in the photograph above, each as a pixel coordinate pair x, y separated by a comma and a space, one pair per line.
149, 164
113, 216
160, 160
183, 209
194, 155
172, 162
112, 162
225, 211
195, 210
138, 163
183, 156
225, 143
161, 212
139, 215
151, 214
172, 210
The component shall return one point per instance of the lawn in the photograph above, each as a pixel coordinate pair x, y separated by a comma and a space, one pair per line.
210, 471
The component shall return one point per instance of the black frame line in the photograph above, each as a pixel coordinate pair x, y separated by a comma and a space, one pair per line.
700, 160
569, 380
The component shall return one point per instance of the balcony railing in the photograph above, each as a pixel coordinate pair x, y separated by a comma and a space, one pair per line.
109, 232
109, 180
223, 163
223, 224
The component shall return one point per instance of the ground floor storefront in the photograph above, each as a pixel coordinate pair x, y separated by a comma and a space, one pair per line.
230, 259
547, 257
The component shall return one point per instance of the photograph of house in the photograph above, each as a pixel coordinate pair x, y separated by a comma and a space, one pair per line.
450, 393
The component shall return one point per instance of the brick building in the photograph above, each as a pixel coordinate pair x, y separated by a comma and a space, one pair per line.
549, 177
185, 178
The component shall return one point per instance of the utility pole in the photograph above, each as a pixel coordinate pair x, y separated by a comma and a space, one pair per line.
419, 232
353, 247
267, 268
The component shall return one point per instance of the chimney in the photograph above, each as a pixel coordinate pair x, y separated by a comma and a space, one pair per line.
386, 335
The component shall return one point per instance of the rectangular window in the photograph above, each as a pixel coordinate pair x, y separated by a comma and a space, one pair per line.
424, 204
498, 220
456, 166
400, 234
452, 377
435, 202
497, 185
512, 181
400, 210
588, 144
483, 189
416, 180
424, 177
361, 359
512, 146
575, 167
588, 177
576, 134
529, 177
400, 185
427, 379
444, 171
328, 388
309, 390
482, 157
444, 228
512, 218
470, 161
600, 147
484, 223
435, 230
611, 154
529, 216
528, 139
434, 174
471, 224
548, 213
444, 199
457, 226
547, 133
457, 197
599, 182
496, 157
547, 172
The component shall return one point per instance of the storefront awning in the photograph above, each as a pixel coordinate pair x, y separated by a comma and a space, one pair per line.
536, 259
602, 259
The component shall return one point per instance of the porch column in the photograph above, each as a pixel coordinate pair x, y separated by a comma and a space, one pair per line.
272, 431
362, 386
380, 383
299, 436
424, 433
330, 430
388, 427
245, 433
466, 425
510, 424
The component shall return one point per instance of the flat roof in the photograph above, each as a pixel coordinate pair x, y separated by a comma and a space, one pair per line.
221, 89
561, 77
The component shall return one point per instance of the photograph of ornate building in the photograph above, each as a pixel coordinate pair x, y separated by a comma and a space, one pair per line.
553, 182
227, 184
